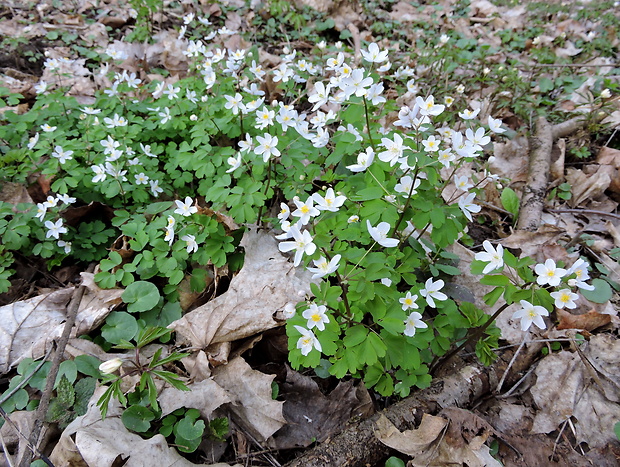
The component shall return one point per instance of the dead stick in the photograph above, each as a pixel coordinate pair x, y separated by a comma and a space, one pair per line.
535, 190
72, 310
358, 445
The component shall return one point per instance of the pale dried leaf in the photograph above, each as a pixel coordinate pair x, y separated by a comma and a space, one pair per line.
586, 187
27, 327
313, 416
411, 442
14, 193
101, 442
205, 396
265, 284
251, 393
567, 387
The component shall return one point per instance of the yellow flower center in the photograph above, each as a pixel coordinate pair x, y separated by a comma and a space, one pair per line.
305, 209
316, 318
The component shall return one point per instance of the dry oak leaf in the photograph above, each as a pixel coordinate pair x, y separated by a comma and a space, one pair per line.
265, 284
314, 416
27, 327
587, 321
588, 391
90, 441
250, 390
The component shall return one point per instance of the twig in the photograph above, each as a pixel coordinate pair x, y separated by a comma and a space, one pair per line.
42, 456
586, 211
512, 360
7, 456
72, 310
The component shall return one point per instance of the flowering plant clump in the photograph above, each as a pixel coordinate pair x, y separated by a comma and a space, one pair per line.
365, 188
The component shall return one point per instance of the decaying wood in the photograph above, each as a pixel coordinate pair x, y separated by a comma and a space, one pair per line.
358, 445
535, 190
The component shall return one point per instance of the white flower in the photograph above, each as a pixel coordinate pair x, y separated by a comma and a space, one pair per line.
289, 310
267, 146
380, 234
66, 246
47, 128
141, 178
146, 149
462, 183
285, 211
580, 269
386, 281
495, 258
565, 298
42, 87
428, 106
431, 292
323, 267
548, 273
330, 202
155, 188
529, 314
408, 301
393, 149
234, 103
100, 173
305, 210
110, 366
406, 186
413, 321
190, 242
374, 55
51, 202
302, 244
364, 159
495, 125
431, 144
32, 142
307, 341
469, 114
353, 219
65, 198
466, 203
185, 208
62, 155
41, 210
316, 316
55, 229
605, 93
234, 162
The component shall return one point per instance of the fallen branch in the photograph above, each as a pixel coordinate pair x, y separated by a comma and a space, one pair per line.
535, 190
72, 310
358, 445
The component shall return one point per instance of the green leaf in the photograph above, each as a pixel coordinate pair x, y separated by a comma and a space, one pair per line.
510, 201
602, 291
88, 365
493, 296
617, 430
65, 393
84, 390
141, 296
394, 462
355, 335
137, 418
118, 326
67, 369
498, 280
189, 428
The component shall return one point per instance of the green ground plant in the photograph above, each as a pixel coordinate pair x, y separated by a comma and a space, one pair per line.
371, 208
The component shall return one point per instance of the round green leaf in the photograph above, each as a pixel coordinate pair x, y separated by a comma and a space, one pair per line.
118, 326
188, 428
137, 418
394, 462
602, 291
141, 296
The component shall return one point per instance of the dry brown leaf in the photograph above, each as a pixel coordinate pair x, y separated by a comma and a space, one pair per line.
29, 326
568, 387
206, 396
14, 193
311, 415
529, 242
411, 442
265, 284
252, 404
585, 187
90, 441
587, 321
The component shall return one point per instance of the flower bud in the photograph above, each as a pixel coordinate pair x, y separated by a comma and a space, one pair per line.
110, 366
